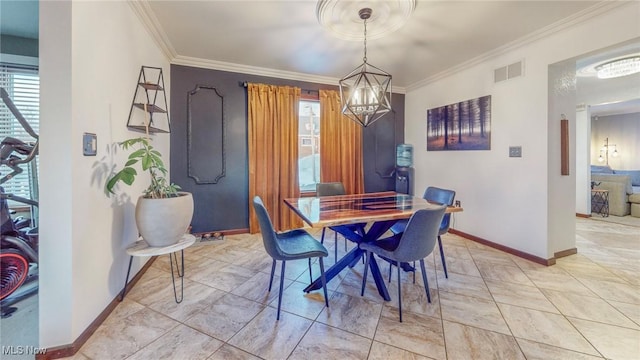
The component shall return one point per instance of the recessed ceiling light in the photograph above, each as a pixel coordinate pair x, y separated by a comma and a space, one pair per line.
619, 67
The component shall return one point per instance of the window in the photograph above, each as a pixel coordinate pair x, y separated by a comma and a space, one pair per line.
23, 86
309, 145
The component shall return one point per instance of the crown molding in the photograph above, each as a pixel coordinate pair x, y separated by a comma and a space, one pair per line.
260, 71
575, 19
149, 20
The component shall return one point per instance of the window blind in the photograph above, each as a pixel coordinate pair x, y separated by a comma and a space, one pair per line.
22, 83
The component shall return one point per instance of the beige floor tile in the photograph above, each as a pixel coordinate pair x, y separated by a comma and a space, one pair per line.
632, 311
559, 280
537, 351
459, 266
588, 308
352, 285
227, 277
269, 338
458, 252
190, 260
181, 342
463, 285
472, 311
225, 317
414, 298
124, 309
296, 301
417, 333
582, 267
614, 291
492, 256
204, 268
76, 356
611, 341
121, 339
228, 352
466, 342
150, 288
520, 295
504, 273
353, 314
326, 342
543, 327
380, 351
196, 296
257, 288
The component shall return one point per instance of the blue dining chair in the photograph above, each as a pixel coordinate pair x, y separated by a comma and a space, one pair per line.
416, 242
439, 196
333, 189
289, 245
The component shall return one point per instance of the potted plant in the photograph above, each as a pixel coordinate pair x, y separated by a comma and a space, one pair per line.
163, 213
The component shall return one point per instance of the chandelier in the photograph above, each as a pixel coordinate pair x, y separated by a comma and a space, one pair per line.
366, 91
619, 67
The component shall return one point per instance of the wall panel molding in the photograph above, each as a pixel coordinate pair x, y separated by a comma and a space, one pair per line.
206, 155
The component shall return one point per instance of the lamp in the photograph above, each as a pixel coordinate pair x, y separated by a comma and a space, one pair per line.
619, 67
605, 150
366, 91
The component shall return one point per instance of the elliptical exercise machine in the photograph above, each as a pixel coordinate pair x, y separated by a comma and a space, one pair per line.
19, 238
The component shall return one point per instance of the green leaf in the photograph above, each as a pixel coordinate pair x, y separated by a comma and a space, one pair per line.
131, 162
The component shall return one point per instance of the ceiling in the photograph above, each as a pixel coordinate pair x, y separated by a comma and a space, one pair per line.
285, 36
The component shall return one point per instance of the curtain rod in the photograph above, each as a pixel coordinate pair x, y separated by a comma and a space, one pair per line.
246, 84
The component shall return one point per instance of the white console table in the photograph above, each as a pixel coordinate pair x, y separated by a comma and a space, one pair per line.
141, 248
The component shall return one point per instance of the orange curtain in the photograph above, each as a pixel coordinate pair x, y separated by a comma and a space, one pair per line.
273, 152
340, 145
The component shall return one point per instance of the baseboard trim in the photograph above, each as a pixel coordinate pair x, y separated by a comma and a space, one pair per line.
71, 349
518, 253
564, 253
583, 215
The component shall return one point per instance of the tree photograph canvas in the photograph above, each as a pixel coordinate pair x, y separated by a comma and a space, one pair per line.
465, 125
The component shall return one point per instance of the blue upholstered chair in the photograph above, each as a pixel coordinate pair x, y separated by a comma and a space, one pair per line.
289, 245
416, 242
438, 196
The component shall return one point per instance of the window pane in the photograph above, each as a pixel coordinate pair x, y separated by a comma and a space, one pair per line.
309, 145
23, 87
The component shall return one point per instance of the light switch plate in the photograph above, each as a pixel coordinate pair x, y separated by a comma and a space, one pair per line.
89, 144
515, 151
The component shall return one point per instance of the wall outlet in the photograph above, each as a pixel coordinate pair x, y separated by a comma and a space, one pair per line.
457, 203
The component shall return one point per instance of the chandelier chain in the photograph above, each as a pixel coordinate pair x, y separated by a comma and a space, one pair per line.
365, 41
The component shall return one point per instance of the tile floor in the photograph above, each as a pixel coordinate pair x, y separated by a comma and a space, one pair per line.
492, 306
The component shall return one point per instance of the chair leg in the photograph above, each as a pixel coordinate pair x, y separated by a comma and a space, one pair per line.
322, 237
414, 272
390, 266
310, 274
424, 279
324, 282
366, 270
444, 263
273, 270
399, 295
281, 288
335, 246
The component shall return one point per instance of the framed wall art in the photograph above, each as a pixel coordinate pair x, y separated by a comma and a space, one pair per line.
461, 126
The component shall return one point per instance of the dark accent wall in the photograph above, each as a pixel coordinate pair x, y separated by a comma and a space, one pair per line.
224, 205
16, 45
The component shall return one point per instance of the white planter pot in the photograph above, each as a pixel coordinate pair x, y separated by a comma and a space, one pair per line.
163, 222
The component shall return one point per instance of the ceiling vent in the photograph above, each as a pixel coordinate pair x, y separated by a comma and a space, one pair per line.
508, 72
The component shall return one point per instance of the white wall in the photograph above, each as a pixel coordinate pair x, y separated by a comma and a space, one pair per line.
90, 57
623, 131
582, 148
506, 200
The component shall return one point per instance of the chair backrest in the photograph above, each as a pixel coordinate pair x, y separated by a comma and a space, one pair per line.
269, 237
444, 197
419, 238
330, 189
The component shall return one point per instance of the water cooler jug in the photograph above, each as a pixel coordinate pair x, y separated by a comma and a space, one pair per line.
404, 173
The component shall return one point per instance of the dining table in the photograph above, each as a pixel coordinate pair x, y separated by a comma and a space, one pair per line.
349, 214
